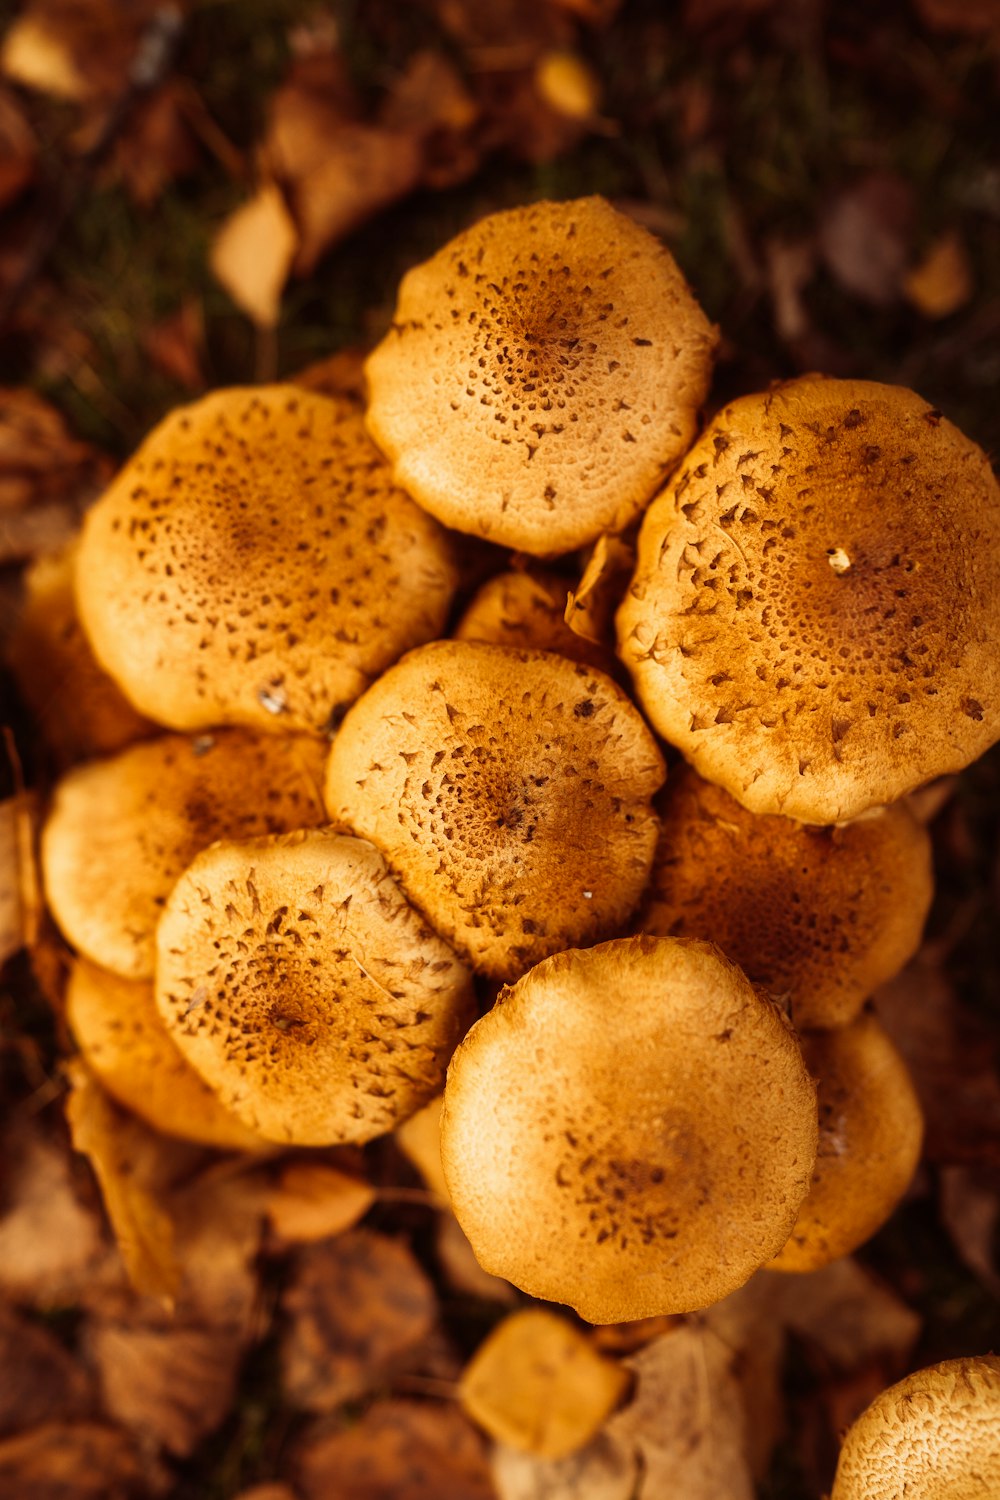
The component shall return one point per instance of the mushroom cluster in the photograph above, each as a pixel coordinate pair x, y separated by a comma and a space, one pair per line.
680, 1083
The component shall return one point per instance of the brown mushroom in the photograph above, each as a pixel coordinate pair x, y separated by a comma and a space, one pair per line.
813, 618
822, 915
301, 985
509, 791
253, 563
630, 1130
121, 830
542, 373
870, 1134
933, 1436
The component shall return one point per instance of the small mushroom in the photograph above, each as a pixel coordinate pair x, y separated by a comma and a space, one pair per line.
823, 915
121, 830
302, 986
120, 1033
933, 1436
542, 373
630, 1130
528, 610
870, 1134
253, 563
509, 791
813, 617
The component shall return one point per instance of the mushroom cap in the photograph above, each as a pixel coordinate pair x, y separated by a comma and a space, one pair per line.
870, 1134
813, 617
527, 611
509, 791
120, 1033
823, 915
253, 563
307, 992
542, 374
933, 1436
121, 831
630, 1130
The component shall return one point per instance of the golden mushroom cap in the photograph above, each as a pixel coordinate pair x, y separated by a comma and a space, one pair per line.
254, 563
307, 992
630, 1130
934, 1436
870, 1134
543, 372
509, 791
120, 1033
121, 830
813, 617
822, 915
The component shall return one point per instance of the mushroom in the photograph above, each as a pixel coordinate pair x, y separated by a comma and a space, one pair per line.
813, 617
301, 985
823, 915
120, 1033
527, 610
253, 563
870, 1134
509, 791
630, 1130
542, 373
933, 1436
122, 830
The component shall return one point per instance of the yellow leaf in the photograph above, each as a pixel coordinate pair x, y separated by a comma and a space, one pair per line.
35, 56
253, 253
942, 282
312, 1201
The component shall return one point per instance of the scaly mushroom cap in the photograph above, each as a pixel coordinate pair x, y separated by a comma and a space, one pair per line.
934, 1436
527, 610
509, 791
630, 1130
307, 992
254, 564
870, 1134
122, 830
813, 618
120, 1033
542, 374
823, 915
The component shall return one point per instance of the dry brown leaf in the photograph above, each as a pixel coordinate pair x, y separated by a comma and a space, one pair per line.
461, 1268
364, 169
159, 146
399, 1449
176, 344
40, 1381
36, 55
686, 1420
79, 50
970, 1211
40, 460
604, 1470
70, 1461
942, 281
18, 151
568, 85
757, 1342
419, 1139
590, 607
928, 801
538, 1384
312, 1201
218, 1220
358, 1307
843, 1310
864, 237
172, 1386
252, 254
144, 1232
428, 97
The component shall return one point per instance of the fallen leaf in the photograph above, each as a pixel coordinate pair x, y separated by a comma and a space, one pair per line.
537, 1384
364, 169
312, 1201
864, 236
80, 51
170, 1385
40, 460
18, 150
590, 607
757, 1342
176, 344
929, 800
40, 1381
461, 1268
604, 1470
36, 55
568, 85
358, 1307
399, 1450
159, 146
419, 1139
942, 281
70, 1461
218, 1220
252, 254
970, 1212
843, 1310
428, 97
143, 1230
524, 607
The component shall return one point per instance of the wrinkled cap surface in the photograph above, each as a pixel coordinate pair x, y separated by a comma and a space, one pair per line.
813, 618
122, 830
630, 1130
934, 1436
509, 791
303, 987
870, 1134
253, 563
822, 915
542, 374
